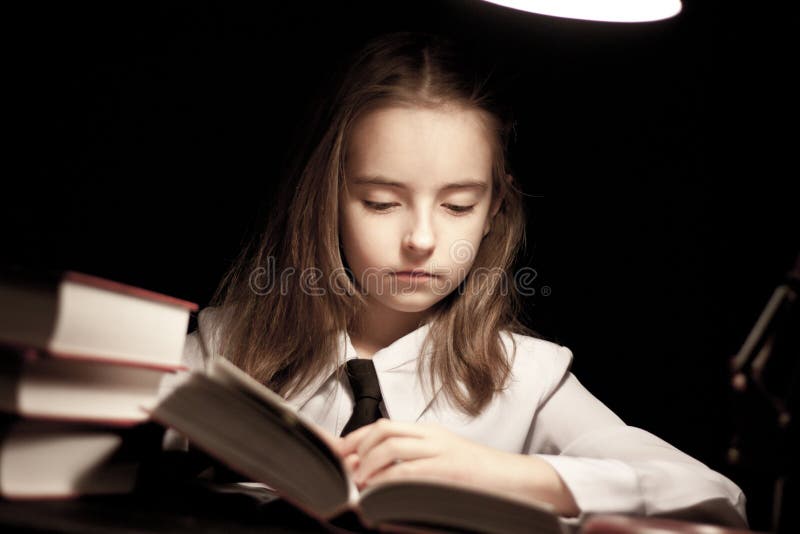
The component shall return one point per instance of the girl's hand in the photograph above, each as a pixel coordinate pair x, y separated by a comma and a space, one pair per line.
391, 450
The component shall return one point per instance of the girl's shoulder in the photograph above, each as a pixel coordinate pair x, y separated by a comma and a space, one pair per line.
529, 347
202, 345
535, 358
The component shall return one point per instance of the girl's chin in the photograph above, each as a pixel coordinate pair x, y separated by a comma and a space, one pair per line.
408, 303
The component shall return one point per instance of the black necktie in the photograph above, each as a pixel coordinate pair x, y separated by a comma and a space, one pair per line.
366, 391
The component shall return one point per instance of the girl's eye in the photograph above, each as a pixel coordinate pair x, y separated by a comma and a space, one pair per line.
378, 206
459, 209
384, 206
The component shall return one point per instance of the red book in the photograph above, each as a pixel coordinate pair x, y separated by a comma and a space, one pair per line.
34, 385
49, 460
622, 524
86, 317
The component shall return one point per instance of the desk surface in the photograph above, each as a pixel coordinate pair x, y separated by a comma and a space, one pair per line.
203, 507
193, 508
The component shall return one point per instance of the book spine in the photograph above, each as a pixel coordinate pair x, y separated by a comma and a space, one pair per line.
33, 352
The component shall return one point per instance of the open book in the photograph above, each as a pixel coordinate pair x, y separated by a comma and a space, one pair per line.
252, 430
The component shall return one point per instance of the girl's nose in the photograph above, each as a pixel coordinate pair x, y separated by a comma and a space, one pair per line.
420, 237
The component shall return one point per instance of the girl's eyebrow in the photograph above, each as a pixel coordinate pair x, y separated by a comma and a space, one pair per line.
381, 180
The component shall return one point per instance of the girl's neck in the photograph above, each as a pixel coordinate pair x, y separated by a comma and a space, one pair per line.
382, 326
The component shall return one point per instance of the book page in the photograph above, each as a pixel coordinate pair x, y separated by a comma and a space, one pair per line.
225, 372
450, 506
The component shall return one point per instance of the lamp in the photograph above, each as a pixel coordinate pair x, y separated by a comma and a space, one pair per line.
601, 10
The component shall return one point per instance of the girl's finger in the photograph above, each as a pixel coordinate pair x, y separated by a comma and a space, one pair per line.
424, 468
349, 443
383, 429
351, 462
390, 452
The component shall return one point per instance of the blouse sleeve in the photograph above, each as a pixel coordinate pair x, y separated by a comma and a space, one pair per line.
611, 467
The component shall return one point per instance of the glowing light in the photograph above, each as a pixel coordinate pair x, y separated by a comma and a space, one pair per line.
600, 10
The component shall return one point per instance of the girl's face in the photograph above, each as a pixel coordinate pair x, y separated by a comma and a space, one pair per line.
418, 197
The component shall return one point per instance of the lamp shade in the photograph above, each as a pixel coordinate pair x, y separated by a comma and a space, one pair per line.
600, 10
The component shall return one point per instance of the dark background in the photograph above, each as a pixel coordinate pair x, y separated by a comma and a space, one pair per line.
655, 156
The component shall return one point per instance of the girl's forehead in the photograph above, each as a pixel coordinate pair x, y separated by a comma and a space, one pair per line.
395, 145
378, 181
421, 118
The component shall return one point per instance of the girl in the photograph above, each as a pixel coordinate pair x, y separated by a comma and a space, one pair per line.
395, 243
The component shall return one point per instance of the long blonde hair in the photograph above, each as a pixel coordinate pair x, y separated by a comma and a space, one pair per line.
288, 335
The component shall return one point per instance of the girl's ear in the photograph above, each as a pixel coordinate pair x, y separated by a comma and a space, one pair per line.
496, 203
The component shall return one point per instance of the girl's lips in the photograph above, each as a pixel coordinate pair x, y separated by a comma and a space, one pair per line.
414, 274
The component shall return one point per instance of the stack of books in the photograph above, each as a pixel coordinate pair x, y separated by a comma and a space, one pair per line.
81, 361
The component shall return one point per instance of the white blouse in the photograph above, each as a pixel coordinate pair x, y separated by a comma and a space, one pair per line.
608, 466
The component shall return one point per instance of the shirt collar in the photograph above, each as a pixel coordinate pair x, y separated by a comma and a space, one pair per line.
404, 396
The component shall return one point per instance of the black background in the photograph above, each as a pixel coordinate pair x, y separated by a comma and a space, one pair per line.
657, 158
